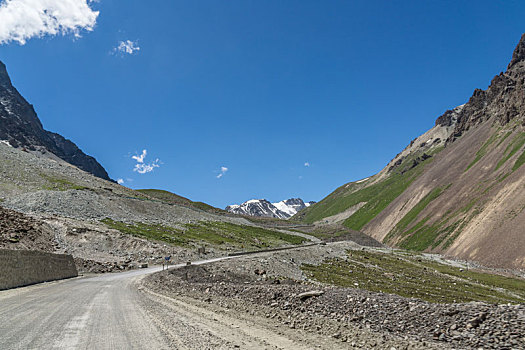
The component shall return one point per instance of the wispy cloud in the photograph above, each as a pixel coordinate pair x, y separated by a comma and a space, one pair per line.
222, 172
306, 164
140, 158
120, 181
127, 47
146, 168
141, 167
21, 20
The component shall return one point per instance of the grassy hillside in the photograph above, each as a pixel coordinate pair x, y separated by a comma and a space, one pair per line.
172, 198
414, 276
376, 196
484, 167
220, 234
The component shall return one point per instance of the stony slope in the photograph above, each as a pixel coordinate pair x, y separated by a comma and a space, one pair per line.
71, 206
458, 189
106, 226
172, 198
20, 127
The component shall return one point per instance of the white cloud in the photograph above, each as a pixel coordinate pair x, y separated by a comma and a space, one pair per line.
306, 164
128, 46
140, 158
143, 168
146, 168
223, 171
21, 20
120, 181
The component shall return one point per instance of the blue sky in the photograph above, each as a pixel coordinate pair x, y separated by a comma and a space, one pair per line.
262, 88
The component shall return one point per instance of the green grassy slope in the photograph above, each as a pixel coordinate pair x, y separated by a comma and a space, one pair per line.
413, 276
219, 234
172, 198
376, 196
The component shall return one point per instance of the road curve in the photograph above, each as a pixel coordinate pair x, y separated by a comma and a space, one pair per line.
101, 312
115, 311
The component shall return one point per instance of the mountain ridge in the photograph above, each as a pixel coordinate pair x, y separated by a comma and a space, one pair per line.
457, 188
21, 128
284, 209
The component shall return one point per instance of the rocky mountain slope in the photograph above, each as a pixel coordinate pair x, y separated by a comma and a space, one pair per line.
61, 200
458, 189
107, 226
172, 198
263, 208
21, 128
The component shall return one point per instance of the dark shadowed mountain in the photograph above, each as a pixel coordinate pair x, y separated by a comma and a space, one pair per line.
21, 128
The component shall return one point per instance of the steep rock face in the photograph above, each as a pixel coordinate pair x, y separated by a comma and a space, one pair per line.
263, 208
20, 126
502, 101
467, 197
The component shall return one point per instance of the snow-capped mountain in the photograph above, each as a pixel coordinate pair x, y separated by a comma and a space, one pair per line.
261, 207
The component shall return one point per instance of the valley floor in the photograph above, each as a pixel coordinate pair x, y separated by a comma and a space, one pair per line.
249, 302
118, 311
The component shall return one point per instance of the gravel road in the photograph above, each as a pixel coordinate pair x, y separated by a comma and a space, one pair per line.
115, 311
84, 313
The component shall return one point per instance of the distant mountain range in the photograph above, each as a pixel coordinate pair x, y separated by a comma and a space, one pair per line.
21, 128
263, 208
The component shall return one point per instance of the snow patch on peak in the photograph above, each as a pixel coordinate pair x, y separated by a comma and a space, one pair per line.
261, 207
282, 206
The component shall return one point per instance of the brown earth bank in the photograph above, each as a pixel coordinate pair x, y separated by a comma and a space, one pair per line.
347, 314
19, 231
95, 249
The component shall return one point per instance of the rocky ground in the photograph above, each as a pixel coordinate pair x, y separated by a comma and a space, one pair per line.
24, 232
94, 247
35, 184
273, 287
47, 204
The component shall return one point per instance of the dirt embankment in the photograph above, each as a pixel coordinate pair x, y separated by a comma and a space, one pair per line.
94, 247
356, 317
19, 231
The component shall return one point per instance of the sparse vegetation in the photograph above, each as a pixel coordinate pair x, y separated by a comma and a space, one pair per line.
410, 275
221, 234
59, 184
423, 236
484, 148
172, 198
512, 148
418, 208
376, 196
379, 196
519, 162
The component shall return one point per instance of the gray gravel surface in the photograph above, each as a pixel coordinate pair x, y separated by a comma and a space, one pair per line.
84, 313
90, 205
115, 311
250, 283
38, 184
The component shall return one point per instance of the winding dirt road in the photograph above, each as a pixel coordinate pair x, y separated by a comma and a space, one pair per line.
114, 311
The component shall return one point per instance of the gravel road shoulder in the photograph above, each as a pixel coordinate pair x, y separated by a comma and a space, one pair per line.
266, 289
